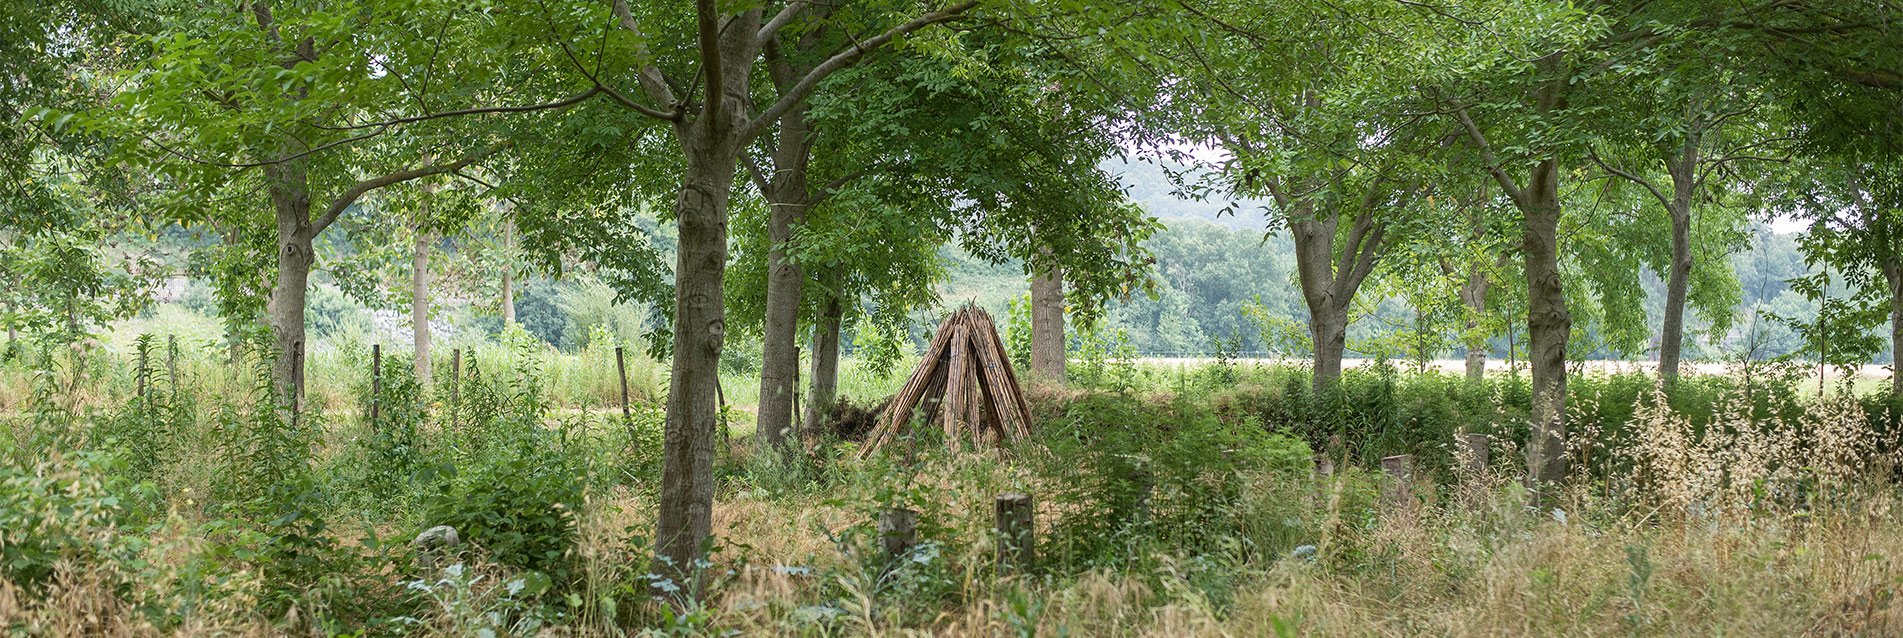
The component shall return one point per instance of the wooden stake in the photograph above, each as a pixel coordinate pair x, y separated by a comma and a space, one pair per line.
376, 384
956, 392
621, 368
171, 365
455, 386
145, 345
1017, 534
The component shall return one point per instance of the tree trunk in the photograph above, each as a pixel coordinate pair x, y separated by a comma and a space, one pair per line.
1548, 327
1474, 295
1329, 331
687, 483
419, 304
1672, 327
508, 269
1893, 275
787, 198
825, 378
1329, 282
291, 201
1048, 357
1683, 168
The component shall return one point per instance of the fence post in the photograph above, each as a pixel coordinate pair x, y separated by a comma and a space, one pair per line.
145, 349
455, 385
1400, 472
171, 365
376, 384
621, 369
898, 531
796, 394
1017, 535
726, 432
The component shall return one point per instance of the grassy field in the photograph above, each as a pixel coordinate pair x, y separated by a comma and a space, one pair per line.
1172, 500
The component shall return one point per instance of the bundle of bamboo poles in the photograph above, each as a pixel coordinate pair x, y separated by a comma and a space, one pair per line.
965, 385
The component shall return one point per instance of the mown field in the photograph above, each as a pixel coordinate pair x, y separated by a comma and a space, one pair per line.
1170, 501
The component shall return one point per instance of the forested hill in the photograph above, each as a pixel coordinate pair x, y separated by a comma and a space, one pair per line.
1148, 183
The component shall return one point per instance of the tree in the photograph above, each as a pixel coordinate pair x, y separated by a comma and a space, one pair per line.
712, 119
316, 107
1686, 114
1315, 122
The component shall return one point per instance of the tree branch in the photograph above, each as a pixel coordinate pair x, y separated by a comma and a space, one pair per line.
1486, 155
845, 59
358, 190
781, 19
710, 62
1630, 177
561, 103
651, 76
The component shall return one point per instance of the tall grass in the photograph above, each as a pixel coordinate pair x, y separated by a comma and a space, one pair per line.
1184, 504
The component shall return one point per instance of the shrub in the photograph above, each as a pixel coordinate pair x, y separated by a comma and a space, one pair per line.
1129, 474
519, 510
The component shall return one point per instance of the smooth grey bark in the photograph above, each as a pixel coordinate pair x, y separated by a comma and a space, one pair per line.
1677, 282
1681, 164
419, 305
1473, 293
700, 326
508, 267
291, 202
1893, 275
711, 145
1329, 282
1047, 326
824, 385
788, 199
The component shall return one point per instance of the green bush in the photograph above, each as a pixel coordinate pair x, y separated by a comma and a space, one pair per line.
1133, 475
61, 508
519, 510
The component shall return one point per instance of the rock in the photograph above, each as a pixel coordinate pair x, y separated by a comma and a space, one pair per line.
434, 542
1305, 552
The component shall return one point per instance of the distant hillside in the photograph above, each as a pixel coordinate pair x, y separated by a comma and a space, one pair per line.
1150, 187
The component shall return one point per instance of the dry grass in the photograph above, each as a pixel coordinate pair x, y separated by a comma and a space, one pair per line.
1748, 527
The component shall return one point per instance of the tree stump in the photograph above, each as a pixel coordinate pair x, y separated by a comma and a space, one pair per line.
898, 531
1400, 474
1017, 535
1474, 451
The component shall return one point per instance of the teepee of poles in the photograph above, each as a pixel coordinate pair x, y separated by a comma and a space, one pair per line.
965, 385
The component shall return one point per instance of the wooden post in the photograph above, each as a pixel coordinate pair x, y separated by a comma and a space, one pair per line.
898, 531
726, 432
1017, 533
1474, 451
621, 367
171, 365
1400, 472
796, 394
455, 386
145, 349
376, 384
